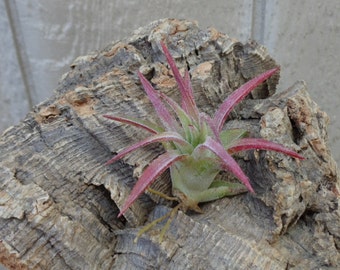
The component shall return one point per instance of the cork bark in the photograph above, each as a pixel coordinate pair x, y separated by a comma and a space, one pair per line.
59, 202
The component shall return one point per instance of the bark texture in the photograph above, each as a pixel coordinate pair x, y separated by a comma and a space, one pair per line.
59, 203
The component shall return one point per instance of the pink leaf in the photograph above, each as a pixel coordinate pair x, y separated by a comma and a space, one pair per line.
161, 137
239, 94
162, 112
150, 174
181, 114
227, 162
261, 144
184, 85
135, 122
211, 124
190, 93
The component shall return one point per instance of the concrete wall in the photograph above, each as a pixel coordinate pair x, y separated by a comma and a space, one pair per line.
41, 38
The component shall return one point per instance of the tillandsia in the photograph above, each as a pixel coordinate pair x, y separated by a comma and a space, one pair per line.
196, 146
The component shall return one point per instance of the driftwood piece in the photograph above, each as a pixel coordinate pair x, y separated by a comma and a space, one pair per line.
59, 203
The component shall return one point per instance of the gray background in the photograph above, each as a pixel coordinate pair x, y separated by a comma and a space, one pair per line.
41, 38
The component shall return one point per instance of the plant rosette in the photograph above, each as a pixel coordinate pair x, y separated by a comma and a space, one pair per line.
197, 148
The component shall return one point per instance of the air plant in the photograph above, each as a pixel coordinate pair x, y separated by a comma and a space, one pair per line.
197, 148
